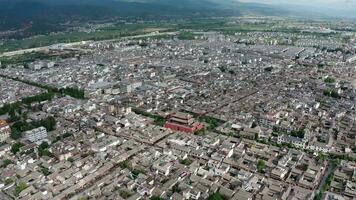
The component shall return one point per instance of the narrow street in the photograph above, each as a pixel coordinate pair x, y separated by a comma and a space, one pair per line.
330, 169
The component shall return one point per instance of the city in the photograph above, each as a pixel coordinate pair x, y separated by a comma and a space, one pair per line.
259, 114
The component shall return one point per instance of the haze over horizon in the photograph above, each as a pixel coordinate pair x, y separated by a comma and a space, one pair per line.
328, 3
333, 8
338, 8
331, 4
50, 15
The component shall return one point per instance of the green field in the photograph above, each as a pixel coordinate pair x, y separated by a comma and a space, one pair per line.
221, 25
103, 34
25, 58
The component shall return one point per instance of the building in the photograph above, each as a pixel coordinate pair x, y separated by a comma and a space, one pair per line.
130, 86
183, 122
298, 142
36, 134
4, 130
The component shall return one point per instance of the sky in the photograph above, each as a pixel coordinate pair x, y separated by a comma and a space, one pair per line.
339, 4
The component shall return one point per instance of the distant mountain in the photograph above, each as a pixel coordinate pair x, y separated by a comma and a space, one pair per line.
319, 11
35, 17
41, 16
44, 16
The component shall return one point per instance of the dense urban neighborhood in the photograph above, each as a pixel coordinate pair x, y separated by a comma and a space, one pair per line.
266, 112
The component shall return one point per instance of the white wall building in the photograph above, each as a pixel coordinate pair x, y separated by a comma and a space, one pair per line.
4, 131
36, 134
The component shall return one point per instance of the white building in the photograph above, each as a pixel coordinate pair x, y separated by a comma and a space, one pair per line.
4, 131
321, 147
130, 86
36, 134
298, 142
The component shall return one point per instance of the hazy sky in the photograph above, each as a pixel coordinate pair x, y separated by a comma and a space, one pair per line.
340, 4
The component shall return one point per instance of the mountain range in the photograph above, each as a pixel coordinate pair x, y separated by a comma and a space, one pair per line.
43, 16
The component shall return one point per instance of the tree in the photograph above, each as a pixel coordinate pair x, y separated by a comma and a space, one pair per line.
38, 98
15, 134
176, 189
44, 145
43, 150
222, 69
49, 123
13, 107
318, 196
261, 166
321, 157
201, 132
257, 136
125, 164
232, 72
353, 149
6, 163
331, 93
186, 162
298, 133
13, 116
336, 161
20, 188
16, 147
268, 69
73, 92
216, 196
8, 181
136, 172
45, 171
18, 127
124, 194
327, 183
329, 80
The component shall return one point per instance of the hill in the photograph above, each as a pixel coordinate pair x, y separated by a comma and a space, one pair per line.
34, 17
